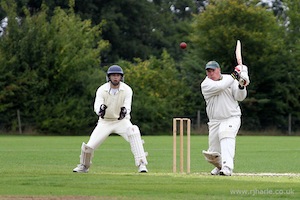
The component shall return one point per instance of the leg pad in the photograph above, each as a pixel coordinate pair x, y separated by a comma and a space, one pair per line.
136, 143
86, 155
213, 158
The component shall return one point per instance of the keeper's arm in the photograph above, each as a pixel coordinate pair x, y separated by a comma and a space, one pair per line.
99, 100
128, 101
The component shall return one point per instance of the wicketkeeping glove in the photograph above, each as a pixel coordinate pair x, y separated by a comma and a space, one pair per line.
102, 111
122, 113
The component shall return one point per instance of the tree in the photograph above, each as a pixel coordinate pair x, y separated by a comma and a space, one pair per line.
214, 38
160, 93
49, 70
135, 29
293, 45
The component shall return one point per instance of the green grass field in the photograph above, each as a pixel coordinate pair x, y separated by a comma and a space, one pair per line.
40, 167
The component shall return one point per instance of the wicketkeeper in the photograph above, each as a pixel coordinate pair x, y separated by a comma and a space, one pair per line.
222, 93
113, 105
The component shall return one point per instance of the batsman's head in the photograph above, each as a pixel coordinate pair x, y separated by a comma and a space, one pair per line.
212, 65
115, 74
213, 70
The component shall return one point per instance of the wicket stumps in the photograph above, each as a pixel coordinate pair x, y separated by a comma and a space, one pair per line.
188, 133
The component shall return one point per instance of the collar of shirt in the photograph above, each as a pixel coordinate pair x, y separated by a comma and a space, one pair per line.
107, 86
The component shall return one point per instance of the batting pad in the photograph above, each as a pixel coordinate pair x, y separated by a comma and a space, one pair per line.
136, 143
86, 155
213, 158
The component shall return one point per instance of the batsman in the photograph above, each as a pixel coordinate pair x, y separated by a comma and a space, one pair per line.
222, 92
113, 105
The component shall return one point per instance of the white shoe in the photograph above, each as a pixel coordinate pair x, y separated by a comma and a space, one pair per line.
215, 171
81, 169
225, 171
142, 168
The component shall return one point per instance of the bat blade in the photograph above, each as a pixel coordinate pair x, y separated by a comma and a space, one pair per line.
238, 53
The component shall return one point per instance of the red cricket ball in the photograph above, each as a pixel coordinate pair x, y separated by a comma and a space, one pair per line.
183, 45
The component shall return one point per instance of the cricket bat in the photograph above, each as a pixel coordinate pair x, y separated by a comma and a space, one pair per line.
238, 53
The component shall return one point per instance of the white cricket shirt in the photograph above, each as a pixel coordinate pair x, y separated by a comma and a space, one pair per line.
113, 100
222, 97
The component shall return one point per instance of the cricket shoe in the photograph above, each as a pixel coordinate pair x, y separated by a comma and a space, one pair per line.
225, 171
215, 171
81, 169
142, 168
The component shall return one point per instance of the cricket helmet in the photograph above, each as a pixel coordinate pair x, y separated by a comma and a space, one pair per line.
114, 69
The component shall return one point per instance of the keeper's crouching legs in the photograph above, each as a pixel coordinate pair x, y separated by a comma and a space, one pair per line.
85, 159
137, 149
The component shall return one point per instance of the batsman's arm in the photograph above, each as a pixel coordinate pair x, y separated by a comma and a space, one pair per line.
211, 88
239, 92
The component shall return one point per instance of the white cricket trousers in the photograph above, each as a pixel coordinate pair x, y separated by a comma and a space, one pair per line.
105, 128
222, 134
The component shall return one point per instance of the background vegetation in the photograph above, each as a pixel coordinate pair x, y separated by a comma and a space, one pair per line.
54, 55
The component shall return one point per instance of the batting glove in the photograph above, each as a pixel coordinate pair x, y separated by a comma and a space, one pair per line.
241, 68
243, 79
122, 113
235, 75
102, 110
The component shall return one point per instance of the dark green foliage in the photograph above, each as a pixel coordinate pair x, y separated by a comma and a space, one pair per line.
270, 99
135, 29
50, 71
50, 60
159, 93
